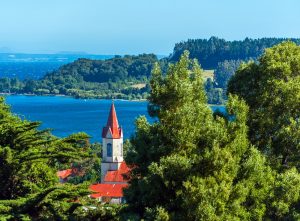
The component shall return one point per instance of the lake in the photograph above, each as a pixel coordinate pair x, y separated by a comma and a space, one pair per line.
66, 115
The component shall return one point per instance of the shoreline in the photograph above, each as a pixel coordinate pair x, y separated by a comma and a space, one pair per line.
68, 96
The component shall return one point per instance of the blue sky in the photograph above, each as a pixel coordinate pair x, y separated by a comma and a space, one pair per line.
139, 26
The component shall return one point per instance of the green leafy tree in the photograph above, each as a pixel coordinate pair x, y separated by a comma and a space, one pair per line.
224, 71
193, 165
271, 88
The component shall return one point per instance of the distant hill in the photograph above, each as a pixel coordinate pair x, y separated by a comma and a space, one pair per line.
118, 77
126, 77
35, 66
113, 69
210, 52
64, 57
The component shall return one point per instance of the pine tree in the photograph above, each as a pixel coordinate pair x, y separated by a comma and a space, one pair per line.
29, 160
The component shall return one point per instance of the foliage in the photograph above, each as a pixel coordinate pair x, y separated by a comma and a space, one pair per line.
271, 88
53, 203
29, 160
85, 78
10, 85
215, 95
193, 165
211, 51
224, 71
88, 169
114, 69
116, 77
98, 211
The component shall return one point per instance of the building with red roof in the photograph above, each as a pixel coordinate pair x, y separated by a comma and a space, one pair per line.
117, 176
64, 174
111, 193
114, 171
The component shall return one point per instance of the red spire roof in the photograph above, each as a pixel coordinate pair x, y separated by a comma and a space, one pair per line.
112, 118
112, 124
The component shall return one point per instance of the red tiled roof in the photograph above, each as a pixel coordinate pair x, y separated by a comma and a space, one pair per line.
112, 124
117, 175
64, 173
110, 190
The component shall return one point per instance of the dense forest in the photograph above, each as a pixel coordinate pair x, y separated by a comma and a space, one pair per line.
119, 77
127, 77
191, 164
210, 52
224, 57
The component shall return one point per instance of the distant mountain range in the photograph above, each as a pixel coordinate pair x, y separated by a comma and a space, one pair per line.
60, 57
35, 66
5, 50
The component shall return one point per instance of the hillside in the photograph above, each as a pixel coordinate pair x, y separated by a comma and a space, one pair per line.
210, 52
114, 69
119, 77
127, 77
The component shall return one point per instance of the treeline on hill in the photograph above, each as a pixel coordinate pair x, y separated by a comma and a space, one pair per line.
128, 77
209, 52
224, 57
241, 165
119, 77
191, 164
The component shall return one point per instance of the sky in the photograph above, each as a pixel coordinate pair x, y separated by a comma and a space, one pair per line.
138, 26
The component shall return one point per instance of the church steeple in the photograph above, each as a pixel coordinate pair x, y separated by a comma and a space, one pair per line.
112, 126
112, 144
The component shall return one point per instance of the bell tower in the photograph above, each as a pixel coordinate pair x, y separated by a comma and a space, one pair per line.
112, 144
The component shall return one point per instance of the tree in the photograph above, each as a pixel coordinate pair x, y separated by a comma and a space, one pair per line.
211, 51
193, 165
152, 142
225, 71
271, 88
214, 94
29, 160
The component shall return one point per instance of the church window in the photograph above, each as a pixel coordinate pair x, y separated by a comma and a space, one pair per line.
109, 150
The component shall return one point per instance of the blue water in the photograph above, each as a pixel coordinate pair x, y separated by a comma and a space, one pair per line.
67, 115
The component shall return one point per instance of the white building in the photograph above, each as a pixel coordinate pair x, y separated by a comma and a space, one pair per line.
113, 167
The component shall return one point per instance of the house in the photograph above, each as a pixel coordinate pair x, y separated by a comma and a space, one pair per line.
113, 166
65, 175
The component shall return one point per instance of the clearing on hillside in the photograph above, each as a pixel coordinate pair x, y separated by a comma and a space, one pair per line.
208, 74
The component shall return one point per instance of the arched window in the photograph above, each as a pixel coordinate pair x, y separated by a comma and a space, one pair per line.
109, 150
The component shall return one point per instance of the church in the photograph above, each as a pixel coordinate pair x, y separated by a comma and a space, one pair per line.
113, 166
